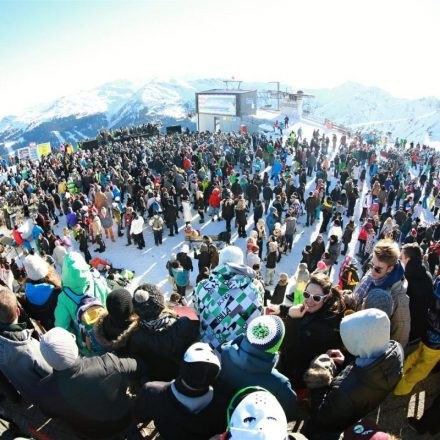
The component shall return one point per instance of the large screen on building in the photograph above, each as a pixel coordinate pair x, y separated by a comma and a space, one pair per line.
218, 104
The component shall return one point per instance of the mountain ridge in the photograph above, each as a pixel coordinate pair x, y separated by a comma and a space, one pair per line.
170, 101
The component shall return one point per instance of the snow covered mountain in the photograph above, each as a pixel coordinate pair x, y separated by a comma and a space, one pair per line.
360, 107
171, 101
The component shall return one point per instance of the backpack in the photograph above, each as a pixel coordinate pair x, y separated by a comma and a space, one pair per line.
88, 313
349, 278
157, 223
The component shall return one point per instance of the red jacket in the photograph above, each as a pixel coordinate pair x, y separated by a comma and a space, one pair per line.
214, 198
17, 237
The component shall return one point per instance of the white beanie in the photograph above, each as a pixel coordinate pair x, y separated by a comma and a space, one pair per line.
36, 268
59, 349
366, 334
231, 254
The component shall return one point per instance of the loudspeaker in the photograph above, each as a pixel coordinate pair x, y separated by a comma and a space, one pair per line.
90, 145
172, 129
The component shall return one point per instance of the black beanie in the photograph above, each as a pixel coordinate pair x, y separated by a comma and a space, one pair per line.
120, 306
148, 301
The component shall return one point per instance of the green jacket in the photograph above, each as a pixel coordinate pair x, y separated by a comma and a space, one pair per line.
80, 280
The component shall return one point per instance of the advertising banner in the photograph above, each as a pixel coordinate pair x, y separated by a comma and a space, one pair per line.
24, 153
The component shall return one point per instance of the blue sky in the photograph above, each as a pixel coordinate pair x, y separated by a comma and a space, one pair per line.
53, 48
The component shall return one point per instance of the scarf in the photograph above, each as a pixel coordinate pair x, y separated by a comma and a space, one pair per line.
159, 324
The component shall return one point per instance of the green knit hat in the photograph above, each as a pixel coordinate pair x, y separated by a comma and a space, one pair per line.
266, 333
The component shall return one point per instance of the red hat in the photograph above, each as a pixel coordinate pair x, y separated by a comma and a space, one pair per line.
365, 430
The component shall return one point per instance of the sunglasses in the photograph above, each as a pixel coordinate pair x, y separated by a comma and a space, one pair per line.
316, 298
377, 269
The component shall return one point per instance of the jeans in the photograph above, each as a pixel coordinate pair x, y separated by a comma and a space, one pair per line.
157, 237
266, 205
289, 241
270, 274
241, 230
173, 227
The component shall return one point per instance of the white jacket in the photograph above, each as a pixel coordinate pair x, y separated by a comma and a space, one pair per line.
187, 215
137, 226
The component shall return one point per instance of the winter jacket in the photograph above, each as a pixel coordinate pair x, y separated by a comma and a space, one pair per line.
41, 300
356, 391
290, 225
226, 302
180, 275
171, 214
71, 218
80, 280
187, 214
271, 259
214, 198
137, 226
348, 233
96, 226
267, 193
306, 338
334, 251
240, 216
420, 292
91, 395
21, 360
244, 365
162, 348
157, 402
271, 219
58, 254
396, 284
228, 211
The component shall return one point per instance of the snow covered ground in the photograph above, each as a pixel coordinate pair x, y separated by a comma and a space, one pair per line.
149, 263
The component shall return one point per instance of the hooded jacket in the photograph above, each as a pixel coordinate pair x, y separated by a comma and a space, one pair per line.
21, 360
244, 365
226, 302
366, 382
91, 395
81, 280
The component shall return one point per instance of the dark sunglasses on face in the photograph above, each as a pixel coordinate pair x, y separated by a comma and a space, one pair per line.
377, 269
316, 298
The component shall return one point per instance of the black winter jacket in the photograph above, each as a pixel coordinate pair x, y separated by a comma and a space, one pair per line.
162, 349
91, 395
173, 420
355, 392
420, 292
306, 338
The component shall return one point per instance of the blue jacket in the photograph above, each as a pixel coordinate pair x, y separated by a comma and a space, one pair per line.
36, 231
245, 365
270, 220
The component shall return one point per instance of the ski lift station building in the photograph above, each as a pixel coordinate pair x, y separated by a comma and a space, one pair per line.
225, 110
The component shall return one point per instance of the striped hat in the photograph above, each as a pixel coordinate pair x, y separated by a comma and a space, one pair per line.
266, 333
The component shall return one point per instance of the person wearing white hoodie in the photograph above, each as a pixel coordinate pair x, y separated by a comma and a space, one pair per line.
339, 400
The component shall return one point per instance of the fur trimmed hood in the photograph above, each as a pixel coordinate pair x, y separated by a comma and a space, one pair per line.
120, 341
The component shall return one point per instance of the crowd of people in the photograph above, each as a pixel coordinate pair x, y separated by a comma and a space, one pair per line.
248, 348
